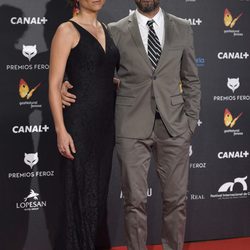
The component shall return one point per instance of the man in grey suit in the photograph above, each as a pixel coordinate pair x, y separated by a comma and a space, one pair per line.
157, 109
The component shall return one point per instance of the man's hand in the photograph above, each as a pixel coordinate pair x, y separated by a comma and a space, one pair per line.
67, 97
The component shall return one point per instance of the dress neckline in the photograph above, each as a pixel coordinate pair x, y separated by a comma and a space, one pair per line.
104, 49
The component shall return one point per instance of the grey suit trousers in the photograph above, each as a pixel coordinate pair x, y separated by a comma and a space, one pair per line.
172, 158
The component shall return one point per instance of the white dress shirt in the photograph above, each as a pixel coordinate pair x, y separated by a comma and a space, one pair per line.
158, 27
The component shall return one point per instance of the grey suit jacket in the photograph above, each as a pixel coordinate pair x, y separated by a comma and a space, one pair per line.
141, 89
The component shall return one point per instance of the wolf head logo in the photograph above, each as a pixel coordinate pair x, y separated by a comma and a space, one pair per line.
233, 83
31, 159
29, 51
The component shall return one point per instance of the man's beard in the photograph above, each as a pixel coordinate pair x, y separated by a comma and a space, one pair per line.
147, 6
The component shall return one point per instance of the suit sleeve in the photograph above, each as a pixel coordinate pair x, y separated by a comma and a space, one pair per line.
112, 32
190, 82
113, 35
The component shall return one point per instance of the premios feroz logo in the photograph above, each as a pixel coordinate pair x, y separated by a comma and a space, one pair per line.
234, 85
26, 93
235, 189
29, 51
230, 122
195, 164
31, 160
230, 21
31, 202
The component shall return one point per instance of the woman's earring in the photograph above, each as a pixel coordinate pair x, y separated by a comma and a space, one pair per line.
76, 8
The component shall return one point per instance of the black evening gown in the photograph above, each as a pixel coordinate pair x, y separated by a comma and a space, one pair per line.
90, 122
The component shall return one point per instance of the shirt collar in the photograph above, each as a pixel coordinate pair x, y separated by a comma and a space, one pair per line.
143, 19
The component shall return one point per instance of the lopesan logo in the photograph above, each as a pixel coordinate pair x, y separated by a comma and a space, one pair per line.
31, 202
233, 55
194, 21
233, 154
30, 129
28, 20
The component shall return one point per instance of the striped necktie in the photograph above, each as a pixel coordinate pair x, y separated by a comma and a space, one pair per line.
154, 46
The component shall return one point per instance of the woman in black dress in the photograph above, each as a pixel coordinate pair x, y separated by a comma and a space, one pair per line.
84, 50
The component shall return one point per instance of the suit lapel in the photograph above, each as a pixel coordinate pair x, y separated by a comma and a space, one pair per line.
135, 33
168, 38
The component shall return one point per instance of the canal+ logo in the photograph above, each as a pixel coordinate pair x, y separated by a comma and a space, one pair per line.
194, 21
28, 20
30, 129
233, 154
233, 55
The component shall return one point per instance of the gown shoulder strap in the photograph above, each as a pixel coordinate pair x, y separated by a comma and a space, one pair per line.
77, 26
104, 25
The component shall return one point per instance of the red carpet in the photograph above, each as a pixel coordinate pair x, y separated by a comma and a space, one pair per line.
231, 244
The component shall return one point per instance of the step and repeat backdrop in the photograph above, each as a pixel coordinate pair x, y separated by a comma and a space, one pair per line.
30, 179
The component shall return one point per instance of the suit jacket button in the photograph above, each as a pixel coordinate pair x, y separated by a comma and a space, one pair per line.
154, 77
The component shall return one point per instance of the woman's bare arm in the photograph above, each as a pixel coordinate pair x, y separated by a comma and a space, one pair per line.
64, 39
